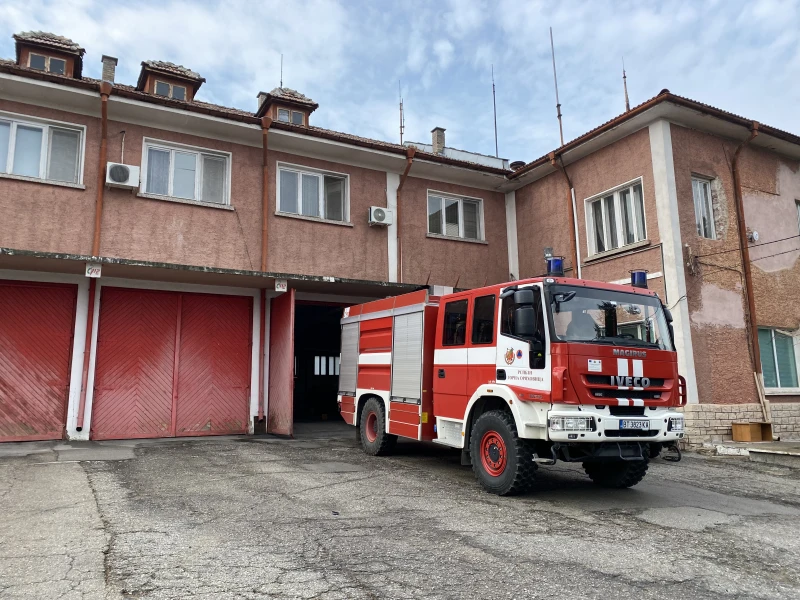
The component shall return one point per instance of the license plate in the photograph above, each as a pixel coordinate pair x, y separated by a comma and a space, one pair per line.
634, 424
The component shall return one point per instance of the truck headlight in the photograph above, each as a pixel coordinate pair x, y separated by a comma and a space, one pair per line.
571, 423
676, 423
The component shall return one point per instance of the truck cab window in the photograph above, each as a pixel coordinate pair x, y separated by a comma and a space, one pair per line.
483, 320
455, 323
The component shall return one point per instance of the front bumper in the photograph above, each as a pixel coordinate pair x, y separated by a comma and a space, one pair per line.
605, 427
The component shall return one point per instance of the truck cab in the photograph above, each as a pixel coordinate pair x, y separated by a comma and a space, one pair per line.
531, 372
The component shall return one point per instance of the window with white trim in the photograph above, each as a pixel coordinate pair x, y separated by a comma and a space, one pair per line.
39, 149
47, 63
169, 90
778, 358
616, 219
311, 193
290, 116
185, 172
703, 208
453, 216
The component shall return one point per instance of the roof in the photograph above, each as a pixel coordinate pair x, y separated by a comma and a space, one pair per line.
663, 96
168, 68
49, 39
286, 96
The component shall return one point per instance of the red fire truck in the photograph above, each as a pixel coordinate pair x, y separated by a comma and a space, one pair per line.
518, 375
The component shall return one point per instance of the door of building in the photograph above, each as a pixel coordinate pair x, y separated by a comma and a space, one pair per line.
37, 321
171, 364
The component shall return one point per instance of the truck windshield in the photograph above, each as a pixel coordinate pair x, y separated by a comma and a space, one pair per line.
590, 315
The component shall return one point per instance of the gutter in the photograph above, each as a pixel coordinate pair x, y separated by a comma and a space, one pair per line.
410, 152
575, 256
266, 122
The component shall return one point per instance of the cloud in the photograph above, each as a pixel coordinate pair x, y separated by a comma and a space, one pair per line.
348, 55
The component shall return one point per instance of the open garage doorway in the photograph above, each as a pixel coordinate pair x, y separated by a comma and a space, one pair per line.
317, 334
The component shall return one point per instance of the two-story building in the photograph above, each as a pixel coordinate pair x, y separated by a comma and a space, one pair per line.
170, 267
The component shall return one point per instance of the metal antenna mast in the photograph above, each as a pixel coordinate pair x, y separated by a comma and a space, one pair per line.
555, 81
281, 69
625, 85
494, 104
402, 116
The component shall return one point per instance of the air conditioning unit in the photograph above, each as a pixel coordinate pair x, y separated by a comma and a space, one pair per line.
380, 216
122, 176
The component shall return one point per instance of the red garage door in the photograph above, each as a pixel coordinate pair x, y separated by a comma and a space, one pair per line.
36, 326
171, 364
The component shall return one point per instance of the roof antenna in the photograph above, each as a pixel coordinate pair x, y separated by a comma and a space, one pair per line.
625, 85
555, 81
494, 104
281, 69
402, 116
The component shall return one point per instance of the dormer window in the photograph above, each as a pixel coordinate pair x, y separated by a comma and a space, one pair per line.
47, 63
168, 90
290, 116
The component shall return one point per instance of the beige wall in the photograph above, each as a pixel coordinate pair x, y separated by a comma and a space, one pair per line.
449, 261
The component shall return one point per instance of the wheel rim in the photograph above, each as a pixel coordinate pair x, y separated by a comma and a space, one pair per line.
493, 453
371, 427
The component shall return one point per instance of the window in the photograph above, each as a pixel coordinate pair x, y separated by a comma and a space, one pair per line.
297, 118
454, 217
283, 115
483, 320
312, 194
47, 63
176, 92
703, 208
326, 365
797, 204
778, 361
187, 173
290, 116
616, 219
455, 323
41, 150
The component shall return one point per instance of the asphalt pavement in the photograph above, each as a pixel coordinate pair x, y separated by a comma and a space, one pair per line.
314, 517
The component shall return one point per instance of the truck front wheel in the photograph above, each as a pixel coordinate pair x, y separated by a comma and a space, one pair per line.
372, 427
502, 462
616, 474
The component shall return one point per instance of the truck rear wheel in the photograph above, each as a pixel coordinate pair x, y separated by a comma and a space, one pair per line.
372, 428
502, 462
617, 474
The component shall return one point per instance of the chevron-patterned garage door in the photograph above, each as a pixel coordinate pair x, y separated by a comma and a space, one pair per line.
36, 325
171, 364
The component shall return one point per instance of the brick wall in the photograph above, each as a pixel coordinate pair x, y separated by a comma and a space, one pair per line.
712, 422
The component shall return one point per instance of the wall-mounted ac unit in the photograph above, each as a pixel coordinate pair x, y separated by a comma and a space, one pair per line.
380, 216
122, 176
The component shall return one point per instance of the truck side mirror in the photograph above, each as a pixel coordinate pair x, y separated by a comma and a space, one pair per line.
524, 297
668, 314
524, 321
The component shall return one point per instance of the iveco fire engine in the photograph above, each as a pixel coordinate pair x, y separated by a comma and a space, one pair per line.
518, 375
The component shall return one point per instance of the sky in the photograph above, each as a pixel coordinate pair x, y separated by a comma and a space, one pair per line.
354, 57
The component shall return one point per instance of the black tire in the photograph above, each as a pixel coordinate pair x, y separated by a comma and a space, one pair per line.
512, 472
617, 474
372, 429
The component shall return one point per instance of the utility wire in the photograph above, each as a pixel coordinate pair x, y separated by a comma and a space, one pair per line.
755, 246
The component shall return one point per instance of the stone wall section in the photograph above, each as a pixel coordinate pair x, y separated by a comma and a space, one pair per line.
711, 423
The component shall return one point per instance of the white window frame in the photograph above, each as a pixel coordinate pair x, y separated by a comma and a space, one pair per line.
302, 117
795, 337
171, 87
303, 170
640, 236
16, 119
448, 196
707, 181
288, 113
173, 147
47, 59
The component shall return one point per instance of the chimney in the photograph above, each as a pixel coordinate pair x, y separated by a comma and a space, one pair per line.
261, 97
437, 139
109, 68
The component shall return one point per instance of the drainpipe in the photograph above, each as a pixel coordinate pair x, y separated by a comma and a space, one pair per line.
745, 250
410, 152
105, 92
575, 256
266, 123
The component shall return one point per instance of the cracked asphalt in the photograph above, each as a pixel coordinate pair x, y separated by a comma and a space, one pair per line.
314, 517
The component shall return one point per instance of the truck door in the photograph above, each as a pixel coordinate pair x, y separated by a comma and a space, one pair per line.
482, 346
450, 360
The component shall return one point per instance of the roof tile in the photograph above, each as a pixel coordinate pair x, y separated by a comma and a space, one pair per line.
49, 39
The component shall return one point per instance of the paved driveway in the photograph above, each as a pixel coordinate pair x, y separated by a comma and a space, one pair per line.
315, 518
